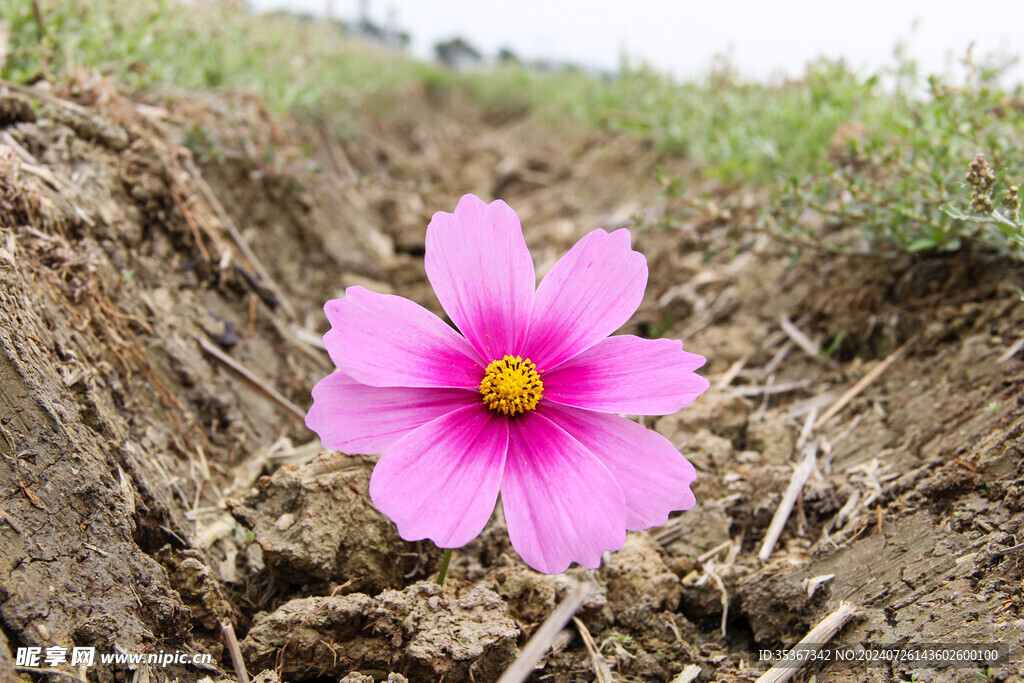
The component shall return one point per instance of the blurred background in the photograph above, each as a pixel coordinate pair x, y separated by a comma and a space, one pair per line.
761, 40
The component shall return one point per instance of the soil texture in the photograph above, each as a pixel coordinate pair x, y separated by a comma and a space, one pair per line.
164, 260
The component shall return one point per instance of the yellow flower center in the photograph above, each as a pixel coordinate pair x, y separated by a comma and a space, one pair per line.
511, 386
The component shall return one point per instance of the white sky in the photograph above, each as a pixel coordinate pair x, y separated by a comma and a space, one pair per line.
761, 37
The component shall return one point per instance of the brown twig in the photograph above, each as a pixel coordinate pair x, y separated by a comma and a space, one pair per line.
252, 379
777, 359
815, 640
714, 551
796, 483
863, 383
810, 347
183, 205
730, 374
236, 653
805, 431
32, 497
524, 664
10, 520
602, 672
688, 674
336, 154
966, 465
1011, 351
236, 236
780, 388
250, 328
96, 549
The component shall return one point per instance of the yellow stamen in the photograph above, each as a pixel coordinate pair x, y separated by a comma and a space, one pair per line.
511, 386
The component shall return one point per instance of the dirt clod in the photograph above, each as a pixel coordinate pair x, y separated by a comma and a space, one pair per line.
199, 587
532, 596
317, 522
774, 439
356, 677
639, 582
724, 413
777, 607
421, 630
15, 108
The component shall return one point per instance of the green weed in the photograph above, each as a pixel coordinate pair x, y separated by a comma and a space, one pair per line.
900, 179
293, 63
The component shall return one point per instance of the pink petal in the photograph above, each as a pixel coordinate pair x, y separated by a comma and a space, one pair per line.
561, 504
627, 374
441, 481
654, 477
356, 418
388, 341
591, 292
481, 270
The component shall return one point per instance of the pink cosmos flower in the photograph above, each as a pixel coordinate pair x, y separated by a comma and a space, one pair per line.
524, 402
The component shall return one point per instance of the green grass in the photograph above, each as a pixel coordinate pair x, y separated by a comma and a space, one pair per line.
293, 63
736, 130
899, 181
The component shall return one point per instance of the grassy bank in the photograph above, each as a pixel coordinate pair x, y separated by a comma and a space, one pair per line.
886, 151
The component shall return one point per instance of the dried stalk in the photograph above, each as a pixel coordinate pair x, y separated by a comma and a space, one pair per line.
796, 483
730, 374
688, 674
862, 384
524, 664
815, 639
782, 387
602, 672
252, 379
810, 347
236, 236
1012, 351
236, 653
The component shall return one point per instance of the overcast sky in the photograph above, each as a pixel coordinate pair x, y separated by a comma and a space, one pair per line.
761, 37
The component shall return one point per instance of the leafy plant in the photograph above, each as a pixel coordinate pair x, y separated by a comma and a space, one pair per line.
900, 179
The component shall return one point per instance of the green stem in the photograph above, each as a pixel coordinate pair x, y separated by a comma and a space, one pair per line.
445, 559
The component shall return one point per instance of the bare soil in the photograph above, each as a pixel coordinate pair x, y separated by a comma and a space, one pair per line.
164, 258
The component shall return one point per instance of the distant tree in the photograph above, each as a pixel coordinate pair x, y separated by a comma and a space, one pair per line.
507, 56
369, 29
457, 52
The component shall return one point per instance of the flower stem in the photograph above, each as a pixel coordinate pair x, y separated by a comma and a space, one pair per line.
445, 559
